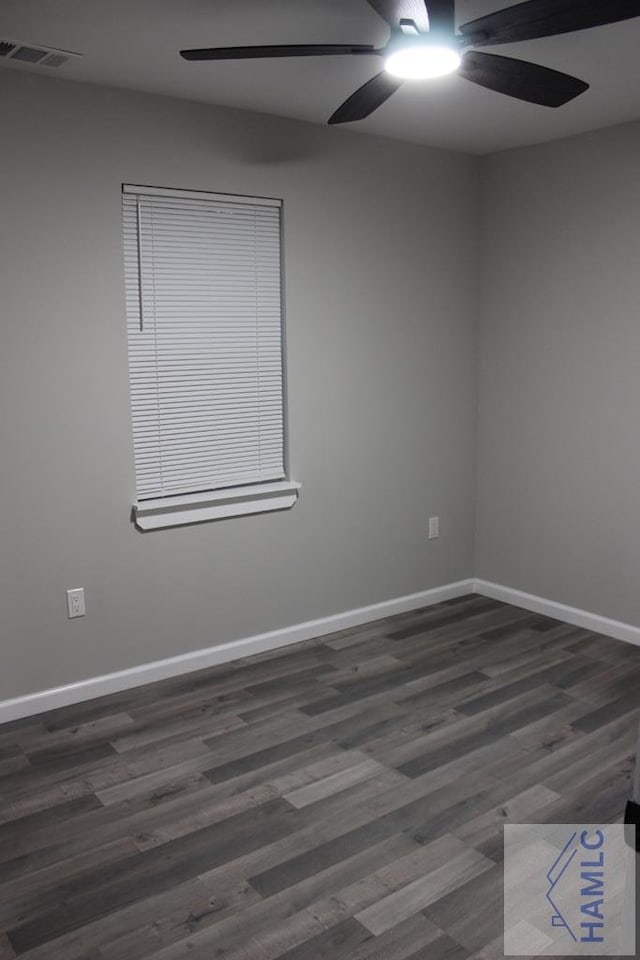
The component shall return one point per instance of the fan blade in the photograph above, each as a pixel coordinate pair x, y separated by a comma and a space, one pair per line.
393, 11
286, 50
367, 99
546, 18
519, 79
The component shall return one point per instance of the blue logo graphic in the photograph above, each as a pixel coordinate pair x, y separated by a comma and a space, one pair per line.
554, 875
586, 858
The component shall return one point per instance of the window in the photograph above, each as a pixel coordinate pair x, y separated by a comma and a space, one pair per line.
204, 324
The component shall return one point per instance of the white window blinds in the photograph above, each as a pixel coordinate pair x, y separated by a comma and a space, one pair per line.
204, 319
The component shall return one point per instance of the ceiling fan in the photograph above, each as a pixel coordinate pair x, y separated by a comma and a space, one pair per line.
424, 44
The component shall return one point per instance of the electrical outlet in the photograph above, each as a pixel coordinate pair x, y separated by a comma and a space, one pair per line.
76, 606
434, 528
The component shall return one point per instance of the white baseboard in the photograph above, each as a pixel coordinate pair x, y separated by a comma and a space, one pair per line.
559, 611
34, 703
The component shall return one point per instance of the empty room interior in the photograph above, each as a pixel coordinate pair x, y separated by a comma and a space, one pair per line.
319, 530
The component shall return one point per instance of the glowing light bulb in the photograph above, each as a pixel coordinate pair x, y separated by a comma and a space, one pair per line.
422, 61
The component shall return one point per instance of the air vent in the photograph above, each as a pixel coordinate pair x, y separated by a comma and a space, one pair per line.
35, 54
55, 59
28, 54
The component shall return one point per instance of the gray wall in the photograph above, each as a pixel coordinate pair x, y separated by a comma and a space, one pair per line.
381, 243
559, 434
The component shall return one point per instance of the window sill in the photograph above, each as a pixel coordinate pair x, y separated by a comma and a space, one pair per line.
216, 505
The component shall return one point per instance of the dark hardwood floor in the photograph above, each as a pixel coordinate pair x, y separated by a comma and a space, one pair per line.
343, 798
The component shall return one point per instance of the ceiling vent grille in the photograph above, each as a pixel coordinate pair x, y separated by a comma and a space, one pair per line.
35, 54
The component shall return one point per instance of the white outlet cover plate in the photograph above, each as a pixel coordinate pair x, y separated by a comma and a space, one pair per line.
76, 606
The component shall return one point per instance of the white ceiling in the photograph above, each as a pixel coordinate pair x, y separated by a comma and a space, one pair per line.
135, 43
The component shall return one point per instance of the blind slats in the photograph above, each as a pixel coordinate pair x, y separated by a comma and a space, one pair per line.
203, 301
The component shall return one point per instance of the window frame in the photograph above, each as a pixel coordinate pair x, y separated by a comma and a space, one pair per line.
180, 508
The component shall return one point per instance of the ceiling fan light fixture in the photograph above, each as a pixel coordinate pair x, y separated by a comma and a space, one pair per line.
424, 44
423, 61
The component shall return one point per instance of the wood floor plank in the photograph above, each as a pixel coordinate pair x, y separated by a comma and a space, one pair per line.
194, 911
245, 936
518, 809
474, 929
335, 783
119, 928
416, 896
336, 942
11, 764
36, 891
156, 870
515, 713
14, 836
627, 704
341, 798
194, 723
321, 856
157, 784
408, 940
99, 730
263, 758
40, 848
540, 766
354, 870
301, 842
